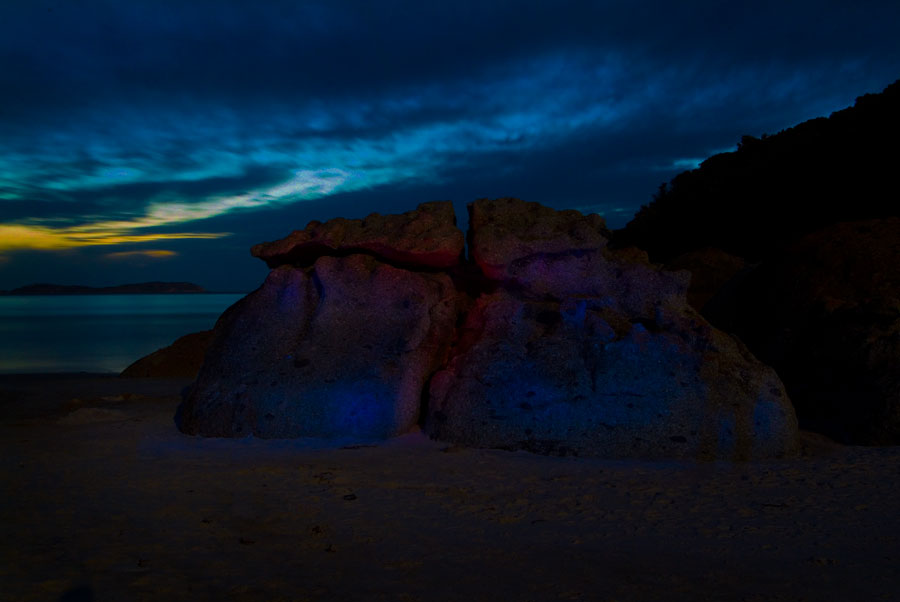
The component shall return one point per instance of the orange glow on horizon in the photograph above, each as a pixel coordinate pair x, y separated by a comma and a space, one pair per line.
17, 237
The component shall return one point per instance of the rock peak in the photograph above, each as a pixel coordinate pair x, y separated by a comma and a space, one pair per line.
426, 236
504, 230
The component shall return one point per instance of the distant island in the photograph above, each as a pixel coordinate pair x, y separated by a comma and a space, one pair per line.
142, 288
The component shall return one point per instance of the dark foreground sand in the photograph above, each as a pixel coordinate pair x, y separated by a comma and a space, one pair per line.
104, 500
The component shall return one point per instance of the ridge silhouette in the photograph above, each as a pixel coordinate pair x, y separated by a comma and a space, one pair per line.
774, 189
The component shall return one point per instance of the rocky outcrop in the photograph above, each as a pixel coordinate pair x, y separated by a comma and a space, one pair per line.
341, 349
181, 359
548, 341
427, 237
825, 313
587, 352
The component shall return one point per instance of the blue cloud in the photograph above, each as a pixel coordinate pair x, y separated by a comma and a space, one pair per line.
172, 117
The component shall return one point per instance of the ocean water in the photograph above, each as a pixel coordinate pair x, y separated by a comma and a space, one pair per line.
97, 333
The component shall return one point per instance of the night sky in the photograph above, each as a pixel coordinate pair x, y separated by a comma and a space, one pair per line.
158, 140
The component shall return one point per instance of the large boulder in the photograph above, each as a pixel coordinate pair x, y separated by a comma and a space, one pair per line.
589, 352
566, 346
341, 349
825, 313
182, 358
426, 237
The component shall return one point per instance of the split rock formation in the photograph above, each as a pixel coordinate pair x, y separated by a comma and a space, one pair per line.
545, 341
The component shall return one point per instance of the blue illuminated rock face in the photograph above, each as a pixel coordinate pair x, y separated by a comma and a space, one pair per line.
341, 349
591, 352
578, 378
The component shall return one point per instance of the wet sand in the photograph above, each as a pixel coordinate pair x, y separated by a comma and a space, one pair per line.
103, 499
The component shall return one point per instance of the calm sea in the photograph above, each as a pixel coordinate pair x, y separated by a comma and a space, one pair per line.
97, 333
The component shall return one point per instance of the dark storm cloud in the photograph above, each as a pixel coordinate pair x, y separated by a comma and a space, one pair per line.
176, 51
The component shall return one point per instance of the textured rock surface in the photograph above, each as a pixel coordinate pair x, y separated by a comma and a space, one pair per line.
586, 351
427, 236
343, 349
826, 315
182, 358
577, 377
630, 286
546, 254
503, 231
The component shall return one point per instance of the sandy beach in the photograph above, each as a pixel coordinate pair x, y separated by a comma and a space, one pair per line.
105, 500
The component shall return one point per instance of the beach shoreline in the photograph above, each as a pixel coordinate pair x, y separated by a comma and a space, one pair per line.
107, 500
